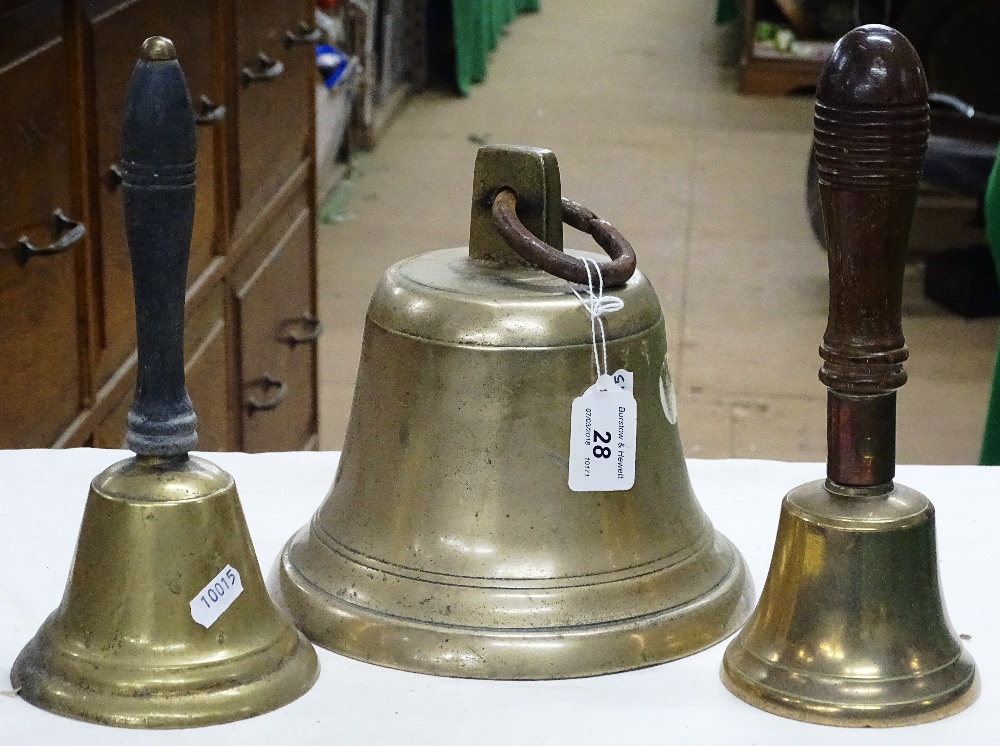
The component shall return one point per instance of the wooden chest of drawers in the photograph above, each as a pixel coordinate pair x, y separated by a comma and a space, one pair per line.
67, 331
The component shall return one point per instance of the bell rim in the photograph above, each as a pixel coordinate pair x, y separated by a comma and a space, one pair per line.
919, 707
570, 652
37, 678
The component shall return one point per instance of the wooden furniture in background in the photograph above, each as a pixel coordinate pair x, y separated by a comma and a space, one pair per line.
763, 75
389, 36
67, 330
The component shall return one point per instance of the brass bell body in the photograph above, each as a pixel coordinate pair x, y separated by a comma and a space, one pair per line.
851, 628
450, 542
163, 532
123, 649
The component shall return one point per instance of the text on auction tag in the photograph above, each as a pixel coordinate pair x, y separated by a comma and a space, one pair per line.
217, 596
623, 379
602, 438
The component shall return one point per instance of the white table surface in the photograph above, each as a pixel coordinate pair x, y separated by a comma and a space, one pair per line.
682, 702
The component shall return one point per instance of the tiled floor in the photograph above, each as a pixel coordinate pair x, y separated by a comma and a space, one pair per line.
637, 103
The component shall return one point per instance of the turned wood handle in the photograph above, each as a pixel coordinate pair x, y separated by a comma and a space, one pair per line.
870, 137
158, 157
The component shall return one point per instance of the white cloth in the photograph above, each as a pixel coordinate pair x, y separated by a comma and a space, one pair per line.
682, 702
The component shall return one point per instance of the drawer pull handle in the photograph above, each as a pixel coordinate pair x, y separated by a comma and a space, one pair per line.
268, 69
114, 177
268, 384
69, 232
306, 328
305, 34
211, 112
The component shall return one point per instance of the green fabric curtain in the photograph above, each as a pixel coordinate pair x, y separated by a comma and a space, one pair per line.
726, 11
990, 454
478, 25
992, 209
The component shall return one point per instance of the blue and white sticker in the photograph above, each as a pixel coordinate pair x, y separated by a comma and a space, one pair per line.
217, 596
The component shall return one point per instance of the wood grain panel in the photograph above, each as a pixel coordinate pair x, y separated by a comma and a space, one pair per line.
38, 295
273, 137
117, 34
273, 299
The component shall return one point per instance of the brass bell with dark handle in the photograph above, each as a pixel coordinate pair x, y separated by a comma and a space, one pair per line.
165, 621
451, 542
851, 628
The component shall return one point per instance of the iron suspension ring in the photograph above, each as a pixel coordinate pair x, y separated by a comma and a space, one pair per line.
532, 249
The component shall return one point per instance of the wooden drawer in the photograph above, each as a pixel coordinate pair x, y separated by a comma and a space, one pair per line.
206, 374
39, 333
118, 30
68, 318
277, 332
274, 98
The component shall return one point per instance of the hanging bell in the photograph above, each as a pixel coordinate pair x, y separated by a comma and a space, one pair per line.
165, 621
851, 627
451, 543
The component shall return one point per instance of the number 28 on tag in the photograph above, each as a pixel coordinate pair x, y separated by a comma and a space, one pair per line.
602, 438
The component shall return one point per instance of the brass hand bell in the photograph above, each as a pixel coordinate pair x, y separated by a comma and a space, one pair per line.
165, 622
451, 543
851, 628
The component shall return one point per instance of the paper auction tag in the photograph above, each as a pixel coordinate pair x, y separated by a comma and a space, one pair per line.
217, 596
602, 438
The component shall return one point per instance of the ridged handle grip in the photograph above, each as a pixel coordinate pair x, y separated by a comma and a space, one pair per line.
870, 137
158, 162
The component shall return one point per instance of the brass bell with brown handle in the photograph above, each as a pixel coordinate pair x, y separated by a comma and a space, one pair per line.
851, 627
451, 543
165, 621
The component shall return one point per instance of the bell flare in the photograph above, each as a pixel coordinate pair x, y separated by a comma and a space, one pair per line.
851, 628
125, 648
451, 543
358, 621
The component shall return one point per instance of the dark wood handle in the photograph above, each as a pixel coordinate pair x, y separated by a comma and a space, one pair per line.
870, 138
158, 161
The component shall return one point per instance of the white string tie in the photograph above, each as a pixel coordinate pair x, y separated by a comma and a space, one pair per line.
597, 304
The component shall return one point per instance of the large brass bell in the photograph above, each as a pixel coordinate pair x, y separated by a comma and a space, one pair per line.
450, 542
851, 627
165, 621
